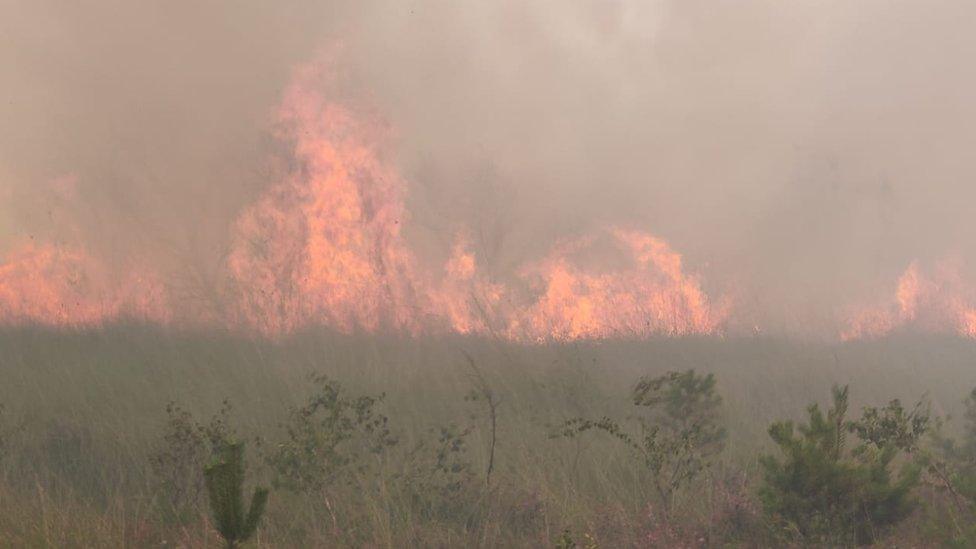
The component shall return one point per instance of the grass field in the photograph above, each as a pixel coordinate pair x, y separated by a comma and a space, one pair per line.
84, 412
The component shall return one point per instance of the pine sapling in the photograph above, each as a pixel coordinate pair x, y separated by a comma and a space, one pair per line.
225, 486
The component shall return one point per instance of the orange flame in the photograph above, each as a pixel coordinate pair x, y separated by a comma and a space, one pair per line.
323, 246
937, 302
653, 296
48, 285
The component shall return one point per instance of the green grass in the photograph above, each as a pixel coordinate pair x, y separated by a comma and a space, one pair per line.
91, 404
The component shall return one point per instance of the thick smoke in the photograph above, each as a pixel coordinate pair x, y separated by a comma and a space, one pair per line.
804, 158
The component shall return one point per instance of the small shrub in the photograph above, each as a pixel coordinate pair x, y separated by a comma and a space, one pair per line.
567, 541
892, 425
825, 494
957, 457
328, 436
481, 391
442, 477
679, 431
736, 517
225, 488
950, 467
185, 448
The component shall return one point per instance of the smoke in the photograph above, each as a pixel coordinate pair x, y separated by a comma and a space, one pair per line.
800, 156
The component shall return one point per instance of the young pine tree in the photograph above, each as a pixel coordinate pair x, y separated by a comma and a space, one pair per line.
827, 494
225, 486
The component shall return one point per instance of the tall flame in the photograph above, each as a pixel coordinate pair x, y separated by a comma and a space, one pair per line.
324, 246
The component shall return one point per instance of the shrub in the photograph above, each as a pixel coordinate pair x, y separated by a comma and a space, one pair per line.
957, 458
679, 431
186, 446
327, 436
441, 475
892, 425
482, 391
825, 494
950, 468
225, 488
566, 541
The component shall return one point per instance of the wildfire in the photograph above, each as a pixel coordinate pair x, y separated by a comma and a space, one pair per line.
324, 246
935, 302
56, 286
469, 301
651, 296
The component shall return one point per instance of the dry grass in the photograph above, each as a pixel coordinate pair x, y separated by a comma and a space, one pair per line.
84, 411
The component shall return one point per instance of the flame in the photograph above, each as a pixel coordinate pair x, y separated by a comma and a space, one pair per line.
58, 286
470, 302
935, 302
652, 296
910, 286
323, 246
967, 325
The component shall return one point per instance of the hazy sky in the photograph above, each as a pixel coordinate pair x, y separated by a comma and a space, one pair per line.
800, 154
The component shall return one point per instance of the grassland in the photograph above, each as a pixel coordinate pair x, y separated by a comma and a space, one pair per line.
85, 410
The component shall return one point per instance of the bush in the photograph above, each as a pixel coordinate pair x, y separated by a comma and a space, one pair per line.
186, 446
440, 482
679, 431
225, 487
328, 436
950, 469
892, 425
822, 493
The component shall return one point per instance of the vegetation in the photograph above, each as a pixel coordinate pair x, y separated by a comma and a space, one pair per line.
679, 434
481, 391
950, 464
828, 495
667, 443
331, 433
178, 462
225, 488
